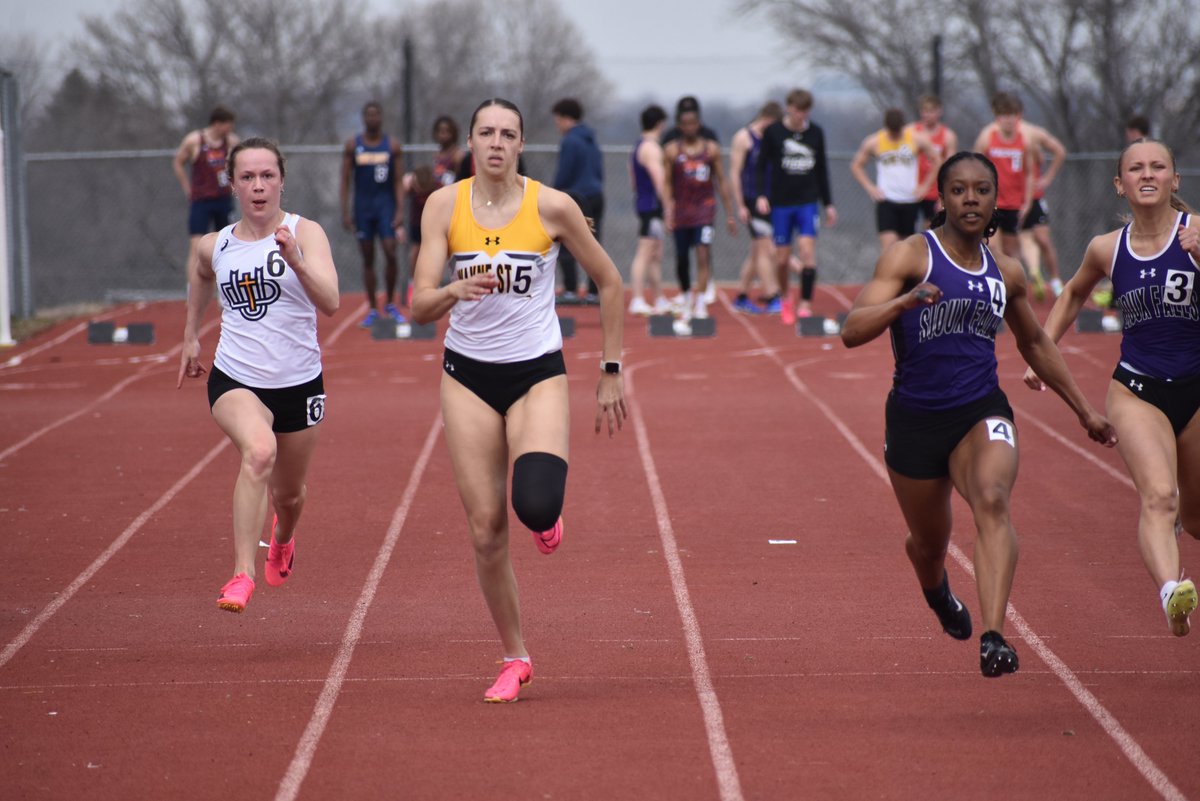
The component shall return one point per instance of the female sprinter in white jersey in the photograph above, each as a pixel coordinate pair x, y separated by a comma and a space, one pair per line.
504, 386
274, 271
1154, 397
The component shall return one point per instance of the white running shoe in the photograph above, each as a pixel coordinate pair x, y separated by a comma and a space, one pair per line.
639, 306
662, 305
1056, 286
710, 294
701, 310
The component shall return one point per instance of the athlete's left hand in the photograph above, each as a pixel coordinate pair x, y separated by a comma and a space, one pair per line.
1189, 240
610, 402
288, 247
1099, 428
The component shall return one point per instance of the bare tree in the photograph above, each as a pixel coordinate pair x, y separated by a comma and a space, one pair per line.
1081, 66
526, 51
25, 57
280, 64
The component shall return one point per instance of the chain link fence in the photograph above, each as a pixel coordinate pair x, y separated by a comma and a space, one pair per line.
111, 226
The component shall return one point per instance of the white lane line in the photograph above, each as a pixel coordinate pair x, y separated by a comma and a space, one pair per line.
714, 724
1111, 726
289, 787
83, 578
120, 385
63, 337
1078, 450
351, 319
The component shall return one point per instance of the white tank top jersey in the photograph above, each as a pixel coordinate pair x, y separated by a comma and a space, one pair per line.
517, 321
268, 324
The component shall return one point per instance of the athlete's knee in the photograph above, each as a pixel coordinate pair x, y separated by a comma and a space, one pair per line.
288, 498
1160, 499
258, 457
539, 486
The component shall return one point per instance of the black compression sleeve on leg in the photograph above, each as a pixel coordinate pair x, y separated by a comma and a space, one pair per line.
808, 280
539, 484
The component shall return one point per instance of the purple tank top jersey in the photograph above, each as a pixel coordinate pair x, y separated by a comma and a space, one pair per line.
645, 199
749, 181
1157, 296
946, 353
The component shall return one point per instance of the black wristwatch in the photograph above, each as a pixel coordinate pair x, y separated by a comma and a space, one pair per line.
612, 368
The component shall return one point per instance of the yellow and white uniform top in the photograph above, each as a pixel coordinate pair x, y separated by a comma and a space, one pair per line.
268, 323
896, 166
517, 321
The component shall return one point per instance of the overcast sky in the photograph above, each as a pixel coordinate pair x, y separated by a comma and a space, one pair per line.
647, 48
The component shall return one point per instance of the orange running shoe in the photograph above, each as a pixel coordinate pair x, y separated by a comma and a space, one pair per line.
513, 676
279, 558
548, 541
236, 593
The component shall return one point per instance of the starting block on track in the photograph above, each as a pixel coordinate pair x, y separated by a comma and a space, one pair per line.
387, 328
818, 326
108, 333
1094, 321
567, 326
664, 325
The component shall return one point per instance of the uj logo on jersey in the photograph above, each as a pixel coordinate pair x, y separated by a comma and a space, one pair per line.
251, 293
979, 315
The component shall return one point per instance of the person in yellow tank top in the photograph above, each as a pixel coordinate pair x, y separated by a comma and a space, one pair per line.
897, 192
504, 384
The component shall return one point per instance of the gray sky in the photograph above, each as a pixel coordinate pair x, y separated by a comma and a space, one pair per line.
655, 48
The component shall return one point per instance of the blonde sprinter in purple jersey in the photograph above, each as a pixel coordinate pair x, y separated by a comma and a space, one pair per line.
504, 384
1154, 396
943, 294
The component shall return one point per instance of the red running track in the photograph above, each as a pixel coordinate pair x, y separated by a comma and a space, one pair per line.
678, 653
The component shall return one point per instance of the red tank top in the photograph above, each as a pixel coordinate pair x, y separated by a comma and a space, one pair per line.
691, 180
938, 140
1009, 157
209, 180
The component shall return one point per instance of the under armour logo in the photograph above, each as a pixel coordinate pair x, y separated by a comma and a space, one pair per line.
975, 286
1145, 273
1135, 384
449, 367
487, 240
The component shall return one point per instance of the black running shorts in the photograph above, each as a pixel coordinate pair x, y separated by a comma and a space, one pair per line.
294, 408
500, 385
918, 444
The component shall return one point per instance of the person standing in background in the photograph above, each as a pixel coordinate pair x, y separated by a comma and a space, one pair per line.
647, 174
199, 166
581, 175
943, 139
370, 160
744, 153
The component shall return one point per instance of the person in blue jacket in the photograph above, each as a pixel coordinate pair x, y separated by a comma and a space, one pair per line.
581, 175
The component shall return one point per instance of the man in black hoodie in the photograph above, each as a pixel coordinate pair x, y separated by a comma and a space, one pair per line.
581, 175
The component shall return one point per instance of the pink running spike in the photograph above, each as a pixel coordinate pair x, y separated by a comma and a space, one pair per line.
236, 593
548, 541
513, 676
279, 558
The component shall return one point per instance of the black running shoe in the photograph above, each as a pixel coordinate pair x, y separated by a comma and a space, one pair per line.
996, 657
951, 612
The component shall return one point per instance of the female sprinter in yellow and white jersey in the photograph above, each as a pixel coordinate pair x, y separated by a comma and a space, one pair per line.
504, 385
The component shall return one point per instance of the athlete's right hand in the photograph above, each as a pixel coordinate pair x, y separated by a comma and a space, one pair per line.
476, 287
189, 362
763, 205
924, 294
1032, 381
